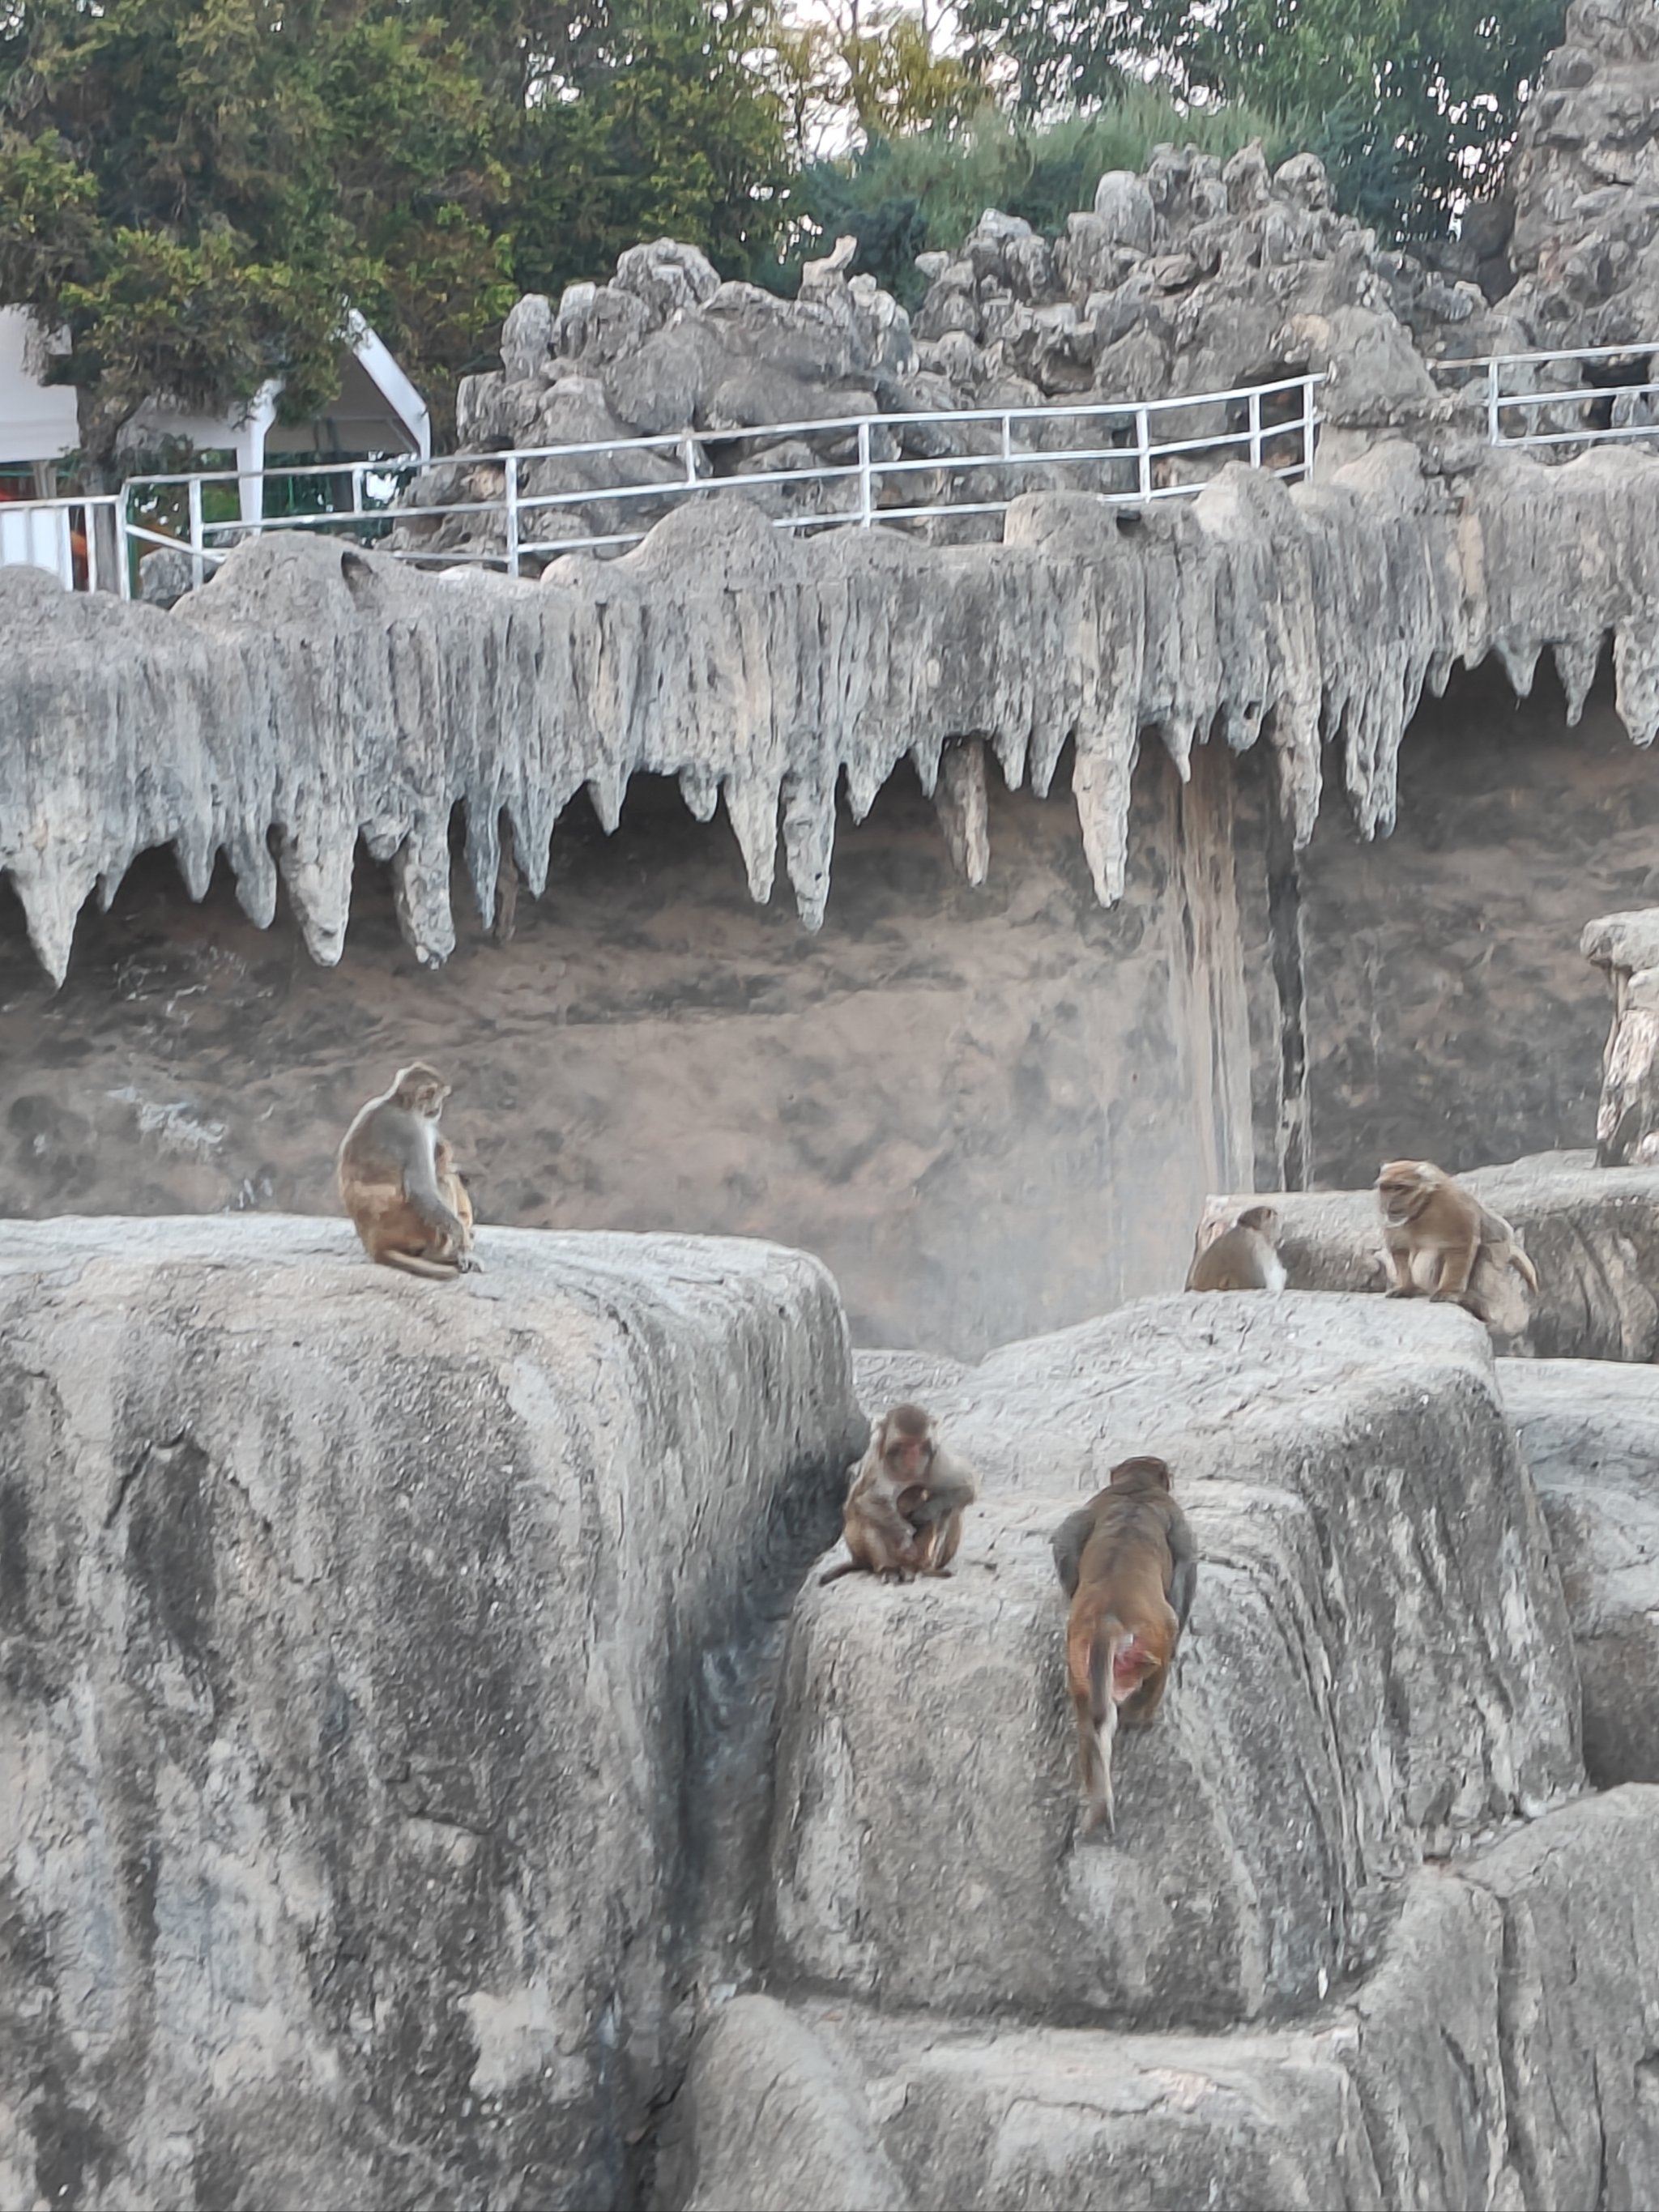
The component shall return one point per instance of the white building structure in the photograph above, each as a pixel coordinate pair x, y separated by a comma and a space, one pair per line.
379, 412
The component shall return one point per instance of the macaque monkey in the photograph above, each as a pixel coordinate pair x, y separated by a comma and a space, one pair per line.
399, 1184
1423, 1211
905, 1501
1128, 1562
1243, 1258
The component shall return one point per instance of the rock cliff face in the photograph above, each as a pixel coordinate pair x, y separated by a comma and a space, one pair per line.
360, 1649
390, 1690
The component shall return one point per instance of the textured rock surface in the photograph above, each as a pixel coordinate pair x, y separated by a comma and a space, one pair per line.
1590, 1436
358, 1632
314, 694
1626, 945
654, 1051
1369, 1674
1592, 1233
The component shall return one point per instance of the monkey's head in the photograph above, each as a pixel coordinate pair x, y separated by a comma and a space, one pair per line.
1404, 1188
421, 1089
1264, 1219
1141, 1477
904, 1439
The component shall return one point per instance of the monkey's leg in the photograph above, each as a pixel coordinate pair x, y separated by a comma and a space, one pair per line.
1456, 1266
1140, 1711
1400, 1267
412, 1263
948, 1544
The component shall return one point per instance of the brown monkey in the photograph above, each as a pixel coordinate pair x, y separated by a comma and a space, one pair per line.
905, 1501
1423, 1211
1245, 1258
398, 1182
1128, 1562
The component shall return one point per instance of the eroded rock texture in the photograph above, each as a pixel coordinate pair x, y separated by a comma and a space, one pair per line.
359, 1635
1434, 2009
313, 695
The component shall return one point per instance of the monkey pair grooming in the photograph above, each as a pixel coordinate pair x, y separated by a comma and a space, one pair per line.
1424, 1211
399, 1183
1128, 1562
1243, 1258
905, 1501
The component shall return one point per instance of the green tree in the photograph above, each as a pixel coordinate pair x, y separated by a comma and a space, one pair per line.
1413, 101
194, 192
659, 119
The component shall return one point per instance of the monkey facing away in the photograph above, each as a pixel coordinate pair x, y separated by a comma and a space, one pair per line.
399, 1184
1243, 1258
1128, 1562
1426, 1212
905, 1501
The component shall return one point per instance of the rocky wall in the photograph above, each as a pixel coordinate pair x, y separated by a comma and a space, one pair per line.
982, 1108
357, 1639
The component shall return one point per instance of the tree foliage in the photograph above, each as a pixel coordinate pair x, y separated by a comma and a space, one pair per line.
899, 195
1413, 101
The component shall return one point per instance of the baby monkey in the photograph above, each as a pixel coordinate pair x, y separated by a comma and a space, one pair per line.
1423, 1211
399, 1183
1128, 1562
905, 1502
1243, 1258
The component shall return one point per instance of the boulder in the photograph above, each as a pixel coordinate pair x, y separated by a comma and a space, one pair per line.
1370, 1687
1589, 1432
356, 1633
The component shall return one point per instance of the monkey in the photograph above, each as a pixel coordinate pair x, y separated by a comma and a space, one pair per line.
399, 1182
1423, 1211
1128, 1563
1245, 1258
905, 1501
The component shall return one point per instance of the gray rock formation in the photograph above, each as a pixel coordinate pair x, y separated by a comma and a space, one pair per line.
362, 1637
1590, 1436
324, 694
1626, 945
1496, 2058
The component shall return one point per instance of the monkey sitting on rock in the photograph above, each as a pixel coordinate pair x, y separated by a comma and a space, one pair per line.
399, 1183
1128, 1562
1243, 1258
905, 1501
1467, 1247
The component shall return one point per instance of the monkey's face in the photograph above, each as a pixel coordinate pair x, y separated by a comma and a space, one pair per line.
1402, 1192
909, 1457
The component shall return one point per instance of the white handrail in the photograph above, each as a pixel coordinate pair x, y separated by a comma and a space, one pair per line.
1136, 441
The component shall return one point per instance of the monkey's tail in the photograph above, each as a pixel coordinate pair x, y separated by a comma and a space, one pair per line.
1097, 1721
846, 1567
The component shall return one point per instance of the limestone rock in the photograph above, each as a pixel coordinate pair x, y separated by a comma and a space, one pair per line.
1628, 1117
1590, 1435
355, 1629
1420, 1689
1438, 2081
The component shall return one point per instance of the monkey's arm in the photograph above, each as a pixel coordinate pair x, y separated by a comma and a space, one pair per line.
1067, 1541
937, 1499
420, 1189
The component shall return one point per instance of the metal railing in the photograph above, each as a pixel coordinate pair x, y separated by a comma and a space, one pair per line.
1524, 404
512, 506
79, 540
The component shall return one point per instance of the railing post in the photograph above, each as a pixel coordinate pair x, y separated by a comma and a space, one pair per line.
1493, 436
1007, 436
1143, 451
124, 545
197, 535
1309, 419
510, 494
357, 514
866, 502
689, 453
1255, 404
